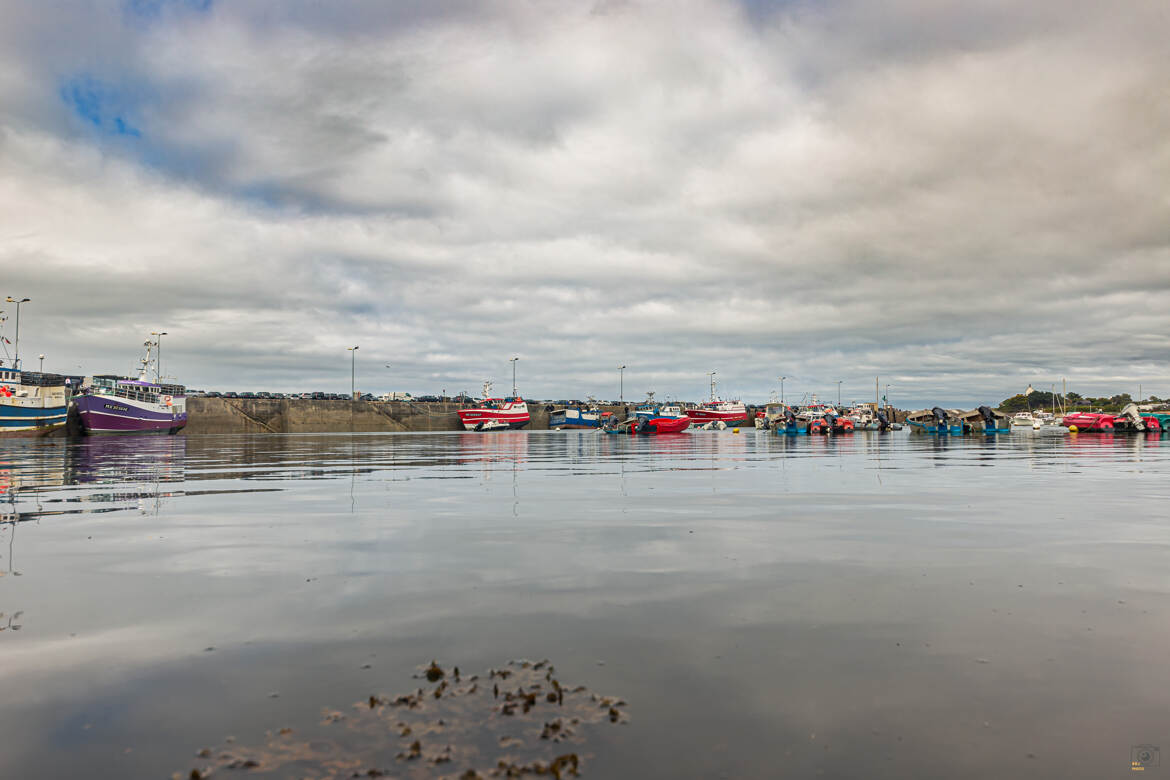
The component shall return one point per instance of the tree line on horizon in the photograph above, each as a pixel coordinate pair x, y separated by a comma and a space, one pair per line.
1042, 399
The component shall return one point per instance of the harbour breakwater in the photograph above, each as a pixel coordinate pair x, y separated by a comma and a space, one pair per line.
297, 415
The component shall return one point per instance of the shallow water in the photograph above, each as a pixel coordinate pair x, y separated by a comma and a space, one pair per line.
880, 605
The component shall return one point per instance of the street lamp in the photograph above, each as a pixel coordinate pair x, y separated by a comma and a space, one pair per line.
42, 357
782, 389
16, 362
352, 369
621, 385
158, 360
513, 362
839, 393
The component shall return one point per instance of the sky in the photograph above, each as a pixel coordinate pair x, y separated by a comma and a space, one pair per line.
959, 198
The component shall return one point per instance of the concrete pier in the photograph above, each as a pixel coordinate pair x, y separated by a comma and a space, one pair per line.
295, 415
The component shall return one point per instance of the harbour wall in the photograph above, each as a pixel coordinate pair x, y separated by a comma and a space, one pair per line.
296, 415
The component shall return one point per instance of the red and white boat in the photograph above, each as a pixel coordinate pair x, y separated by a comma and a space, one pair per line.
716, 410
495, 414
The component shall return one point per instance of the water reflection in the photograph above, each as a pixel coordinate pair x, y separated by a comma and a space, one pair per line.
924, 606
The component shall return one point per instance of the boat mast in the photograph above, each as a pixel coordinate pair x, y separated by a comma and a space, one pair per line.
144, 371
712, 375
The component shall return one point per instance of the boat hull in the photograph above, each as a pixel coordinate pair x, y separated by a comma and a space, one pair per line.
19, 418
576, 419
704, 416
490, 420
1089, 422
795, 429
102, 414
645, 426
935, 430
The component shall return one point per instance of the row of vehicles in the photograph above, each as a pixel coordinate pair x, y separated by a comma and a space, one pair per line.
318, 396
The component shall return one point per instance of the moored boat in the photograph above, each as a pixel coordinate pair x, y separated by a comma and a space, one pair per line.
110, 404
786, 423
1088, 422
727, 412
32, 403
935, 421
1163, 419
1131, 420
646, 426
987, 421
493, 414
1023, 420
585, 416
652, 410
717, 410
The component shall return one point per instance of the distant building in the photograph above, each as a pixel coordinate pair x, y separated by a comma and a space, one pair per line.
1029, 391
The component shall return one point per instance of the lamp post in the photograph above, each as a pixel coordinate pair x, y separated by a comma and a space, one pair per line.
16, 361
782, 389
513, 362
621, 385
839, 393
352, 369
42, 357
158, 360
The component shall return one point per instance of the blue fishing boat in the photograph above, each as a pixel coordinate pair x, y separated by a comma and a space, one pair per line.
786, 423
935, 422
584, 416
32, 403
993, 422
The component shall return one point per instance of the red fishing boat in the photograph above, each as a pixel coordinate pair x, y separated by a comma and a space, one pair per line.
493, 414
716, 410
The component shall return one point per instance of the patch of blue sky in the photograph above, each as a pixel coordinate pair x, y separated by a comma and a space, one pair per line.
101, 106
151, 9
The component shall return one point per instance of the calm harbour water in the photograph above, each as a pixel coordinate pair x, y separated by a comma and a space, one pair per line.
874, 605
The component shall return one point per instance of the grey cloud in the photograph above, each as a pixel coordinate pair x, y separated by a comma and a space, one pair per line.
966, 199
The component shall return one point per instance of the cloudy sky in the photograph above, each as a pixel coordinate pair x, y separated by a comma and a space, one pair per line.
962, 199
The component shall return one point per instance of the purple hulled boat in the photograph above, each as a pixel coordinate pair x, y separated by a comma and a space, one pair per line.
114, 404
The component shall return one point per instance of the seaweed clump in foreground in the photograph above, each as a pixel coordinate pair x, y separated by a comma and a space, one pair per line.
511, 722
